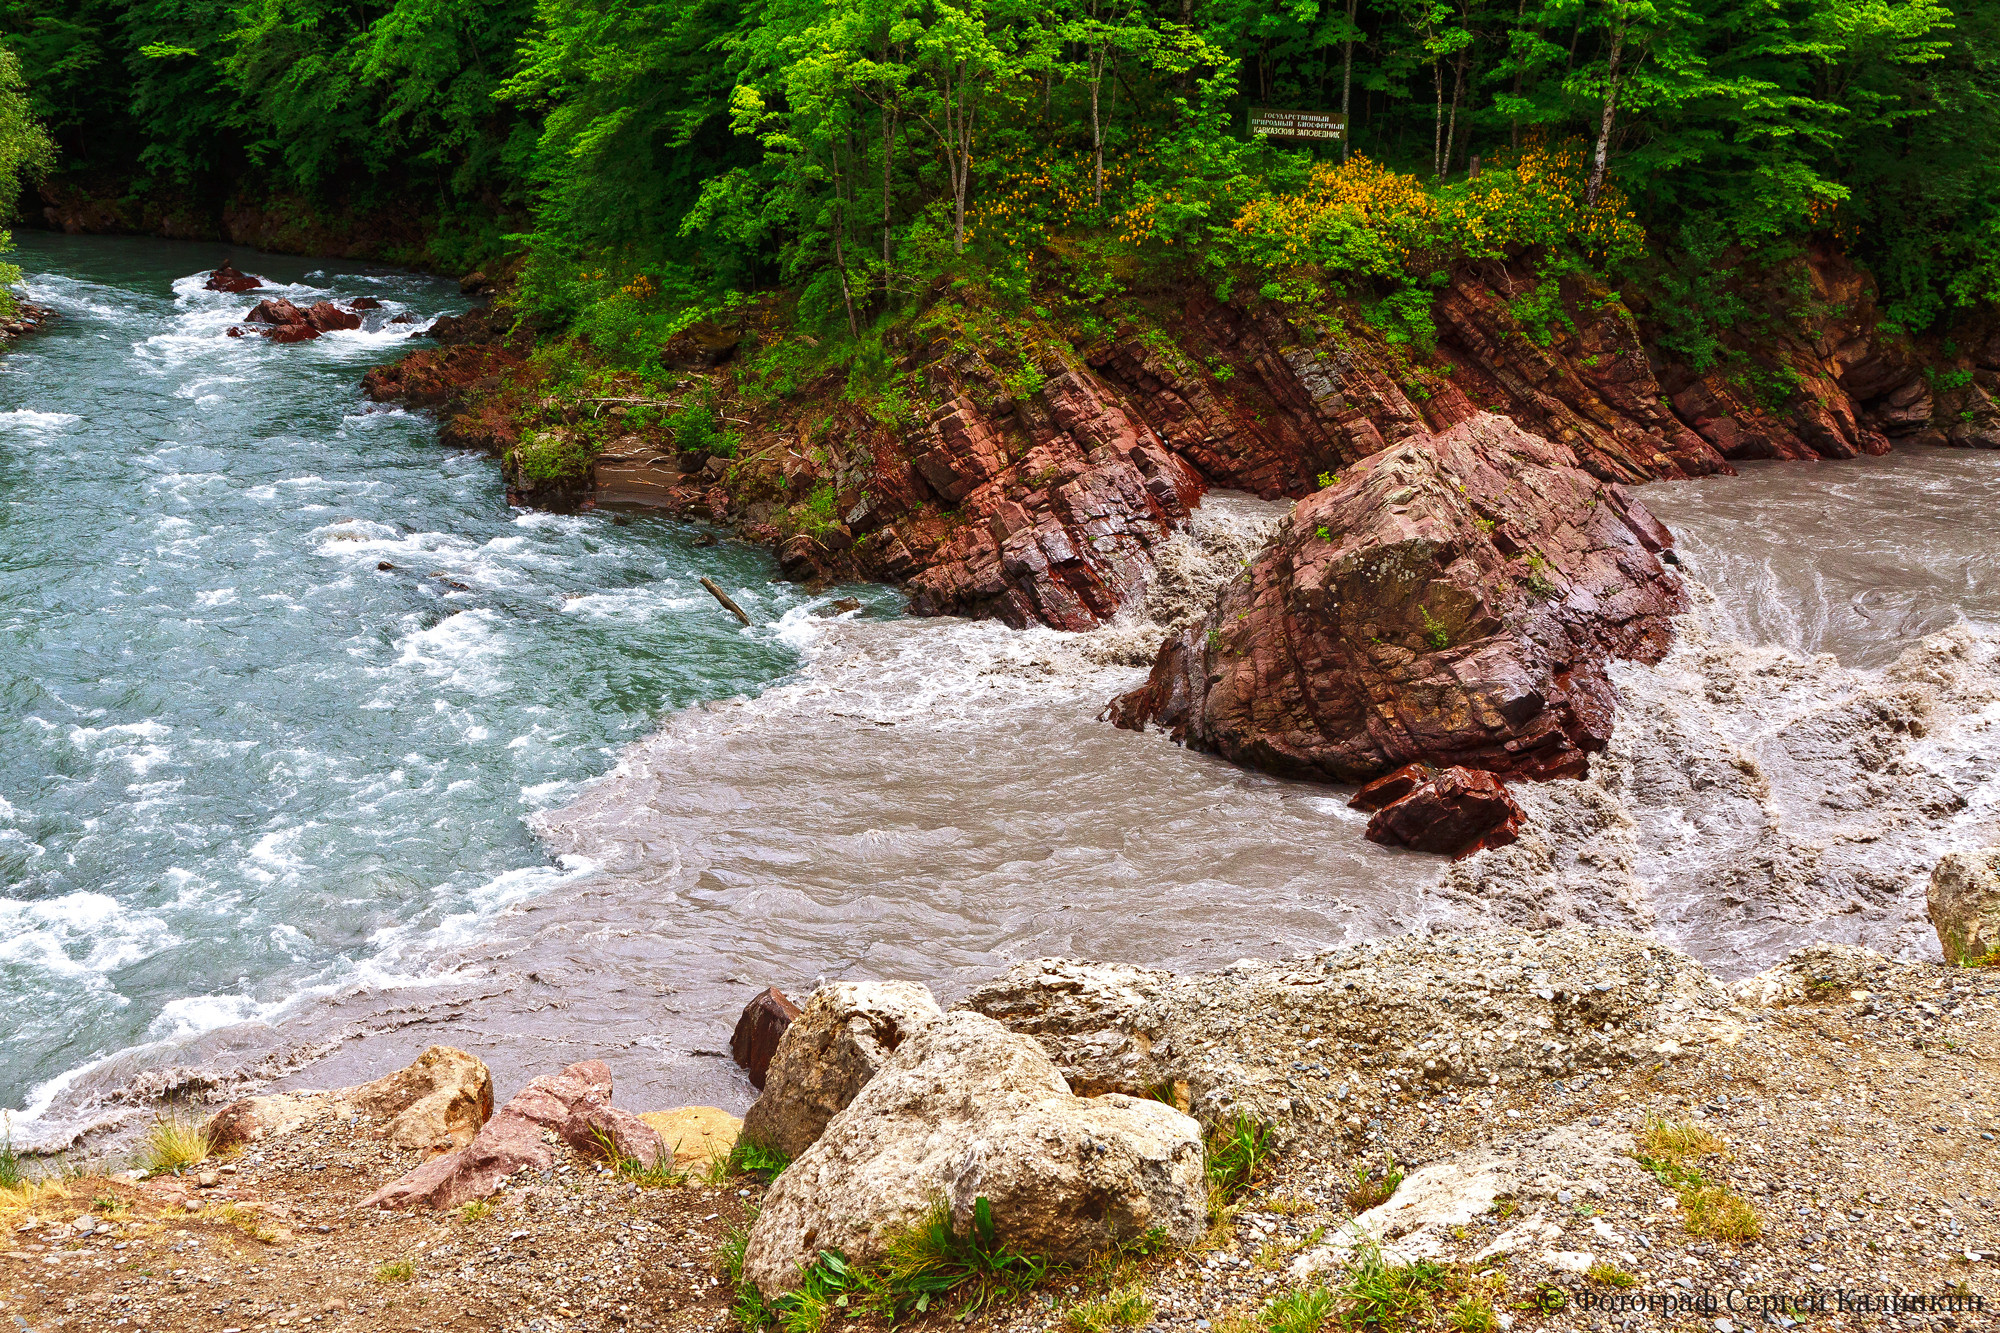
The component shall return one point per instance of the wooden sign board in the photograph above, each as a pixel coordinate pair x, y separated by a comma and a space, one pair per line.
1275, 124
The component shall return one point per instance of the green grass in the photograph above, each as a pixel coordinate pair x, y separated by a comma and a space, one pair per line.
10, 1162
1605, 1275
396, 1270
1373, 1294
748, 1158
1126, 1307
1236, 1150
927, 1267
1372, 1187
1708, 1210
173, 1143
1306, 1310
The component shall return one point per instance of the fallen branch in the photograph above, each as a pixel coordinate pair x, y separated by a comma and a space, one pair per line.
723, 597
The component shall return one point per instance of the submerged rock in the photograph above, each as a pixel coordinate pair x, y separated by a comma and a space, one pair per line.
1964, 903
965, 1110
574, 1105
844, 1034
1453, 600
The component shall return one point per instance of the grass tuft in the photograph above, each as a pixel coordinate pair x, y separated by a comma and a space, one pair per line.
173, 1142
1371, 1187
1604, 1275
472, 1212
1710, 1211
748, 1158
1126, 1307
1306, 1310
396, 1270
1236, 1150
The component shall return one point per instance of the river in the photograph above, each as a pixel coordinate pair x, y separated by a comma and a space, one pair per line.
268, 810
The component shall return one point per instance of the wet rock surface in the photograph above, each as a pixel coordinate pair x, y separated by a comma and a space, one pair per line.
228, 278
1453, 600
1454, 811
759, 1030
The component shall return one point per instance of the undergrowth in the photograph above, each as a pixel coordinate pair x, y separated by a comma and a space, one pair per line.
1373, 1293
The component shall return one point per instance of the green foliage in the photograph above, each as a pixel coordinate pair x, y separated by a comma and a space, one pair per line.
555, 453
1373, 1185
749, 1157
1435, 634
1540, 311
1305, 1310
1126, 1307
11, 1174
857, 152
1237, 1150
925, 1267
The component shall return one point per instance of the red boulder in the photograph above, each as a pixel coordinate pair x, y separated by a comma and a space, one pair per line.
1455, 812
229, 278
764, 1020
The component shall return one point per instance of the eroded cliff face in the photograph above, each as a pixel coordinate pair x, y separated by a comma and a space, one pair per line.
1044, 502
1453, 599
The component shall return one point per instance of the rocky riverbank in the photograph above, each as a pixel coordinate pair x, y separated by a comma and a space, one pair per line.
1536, 1130
1049, 492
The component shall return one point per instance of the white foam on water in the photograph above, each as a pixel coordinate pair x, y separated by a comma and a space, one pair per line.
79, 937
461, 651
36, 423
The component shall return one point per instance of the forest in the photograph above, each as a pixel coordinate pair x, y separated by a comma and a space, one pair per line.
645, 159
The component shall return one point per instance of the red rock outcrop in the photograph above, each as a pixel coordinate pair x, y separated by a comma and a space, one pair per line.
1453, 601
574, 1105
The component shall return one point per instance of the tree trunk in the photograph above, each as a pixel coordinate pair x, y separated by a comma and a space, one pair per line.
1437, 129
1347, 82
1597, 165
1096, 132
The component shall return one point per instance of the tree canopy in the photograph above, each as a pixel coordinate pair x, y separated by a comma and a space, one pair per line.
845, 148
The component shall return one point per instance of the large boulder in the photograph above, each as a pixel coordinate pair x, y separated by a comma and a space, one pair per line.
574, 1105
1964, 902
438, 1102
1347, 1037
966, 1110
844, 1034
1452, 600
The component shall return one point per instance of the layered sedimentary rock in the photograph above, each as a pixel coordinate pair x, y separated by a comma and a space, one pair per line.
1041, 494
1451, 600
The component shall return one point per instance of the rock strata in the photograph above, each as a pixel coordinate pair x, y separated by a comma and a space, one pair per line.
1964, 903
1455, 811
965, 1110
845, 1033
574, 1106
1453, 600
